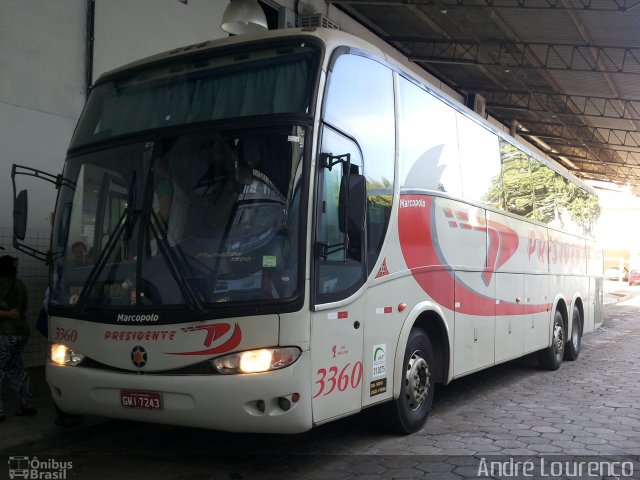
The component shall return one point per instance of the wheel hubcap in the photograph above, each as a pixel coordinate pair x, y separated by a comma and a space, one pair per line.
417, 380
558, 339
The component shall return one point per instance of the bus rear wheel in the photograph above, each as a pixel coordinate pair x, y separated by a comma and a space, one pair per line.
409, 412
551, 357
573, 346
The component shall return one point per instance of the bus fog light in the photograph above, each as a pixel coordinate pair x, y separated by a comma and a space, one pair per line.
284, 403
64, 356
255, 361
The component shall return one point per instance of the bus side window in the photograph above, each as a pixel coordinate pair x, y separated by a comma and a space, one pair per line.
479, 163
516, 180
340, 266
360, 103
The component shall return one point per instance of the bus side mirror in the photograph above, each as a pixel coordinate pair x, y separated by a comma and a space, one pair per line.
20, 209
353, 197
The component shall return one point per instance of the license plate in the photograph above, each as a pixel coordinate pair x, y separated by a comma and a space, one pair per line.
144, 400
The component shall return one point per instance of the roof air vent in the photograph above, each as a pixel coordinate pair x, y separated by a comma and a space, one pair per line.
316, 20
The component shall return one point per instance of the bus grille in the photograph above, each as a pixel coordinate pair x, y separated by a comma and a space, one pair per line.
202, 368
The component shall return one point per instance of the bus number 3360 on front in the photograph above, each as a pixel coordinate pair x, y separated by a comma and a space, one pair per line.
341, 379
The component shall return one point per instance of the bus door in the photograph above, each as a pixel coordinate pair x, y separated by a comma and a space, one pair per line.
339, 273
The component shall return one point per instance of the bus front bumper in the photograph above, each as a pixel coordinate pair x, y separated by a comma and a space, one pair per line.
275, 402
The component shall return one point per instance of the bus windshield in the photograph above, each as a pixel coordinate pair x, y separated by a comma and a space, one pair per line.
195, 219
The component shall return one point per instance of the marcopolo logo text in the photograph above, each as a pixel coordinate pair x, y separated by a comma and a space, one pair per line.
124, 318
412, 203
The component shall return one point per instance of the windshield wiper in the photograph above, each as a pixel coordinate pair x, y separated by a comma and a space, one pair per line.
169, 256
131, 198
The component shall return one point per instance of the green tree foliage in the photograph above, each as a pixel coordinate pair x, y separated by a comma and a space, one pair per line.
516, 182
380, 192
531, 189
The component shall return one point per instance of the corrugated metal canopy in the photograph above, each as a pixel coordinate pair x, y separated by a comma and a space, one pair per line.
567, 71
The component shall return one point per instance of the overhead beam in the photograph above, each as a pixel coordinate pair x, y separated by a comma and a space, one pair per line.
615, 173
561, 104
551, 56
598, 155
584, 133
588, 39
578, 5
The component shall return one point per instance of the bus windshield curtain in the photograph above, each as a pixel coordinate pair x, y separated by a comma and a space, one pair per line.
117, 108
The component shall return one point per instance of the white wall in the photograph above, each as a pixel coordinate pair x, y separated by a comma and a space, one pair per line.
126, 31
41, 96
41, 90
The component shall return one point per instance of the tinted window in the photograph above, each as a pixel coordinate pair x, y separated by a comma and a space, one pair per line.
516, 180
578, 209
360, 103
480, 162
339, 271
428, 142
543, 179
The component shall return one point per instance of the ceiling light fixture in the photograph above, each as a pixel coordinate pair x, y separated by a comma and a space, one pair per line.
242, 17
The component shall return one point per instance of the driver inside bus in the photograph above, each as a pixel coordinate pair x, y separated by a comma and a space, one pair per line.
230, 181
79, 255
170, 202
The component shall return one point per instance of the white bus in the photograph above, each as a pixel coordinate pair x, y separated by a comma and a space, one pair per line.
288, 228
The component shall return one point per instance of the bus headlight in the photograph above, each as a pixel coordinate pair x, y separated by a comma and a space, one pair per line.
255, 361
64, 356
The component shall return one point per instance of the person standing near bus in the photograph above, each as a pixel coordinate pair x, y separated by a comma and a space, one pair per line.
14, 332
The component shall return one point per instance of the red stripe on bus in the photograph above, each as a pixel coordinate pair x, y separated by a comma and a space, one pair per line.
419, 250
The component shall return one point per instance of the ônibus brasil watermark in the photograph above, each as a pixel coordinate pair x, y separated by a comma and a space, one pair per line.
32, 468
565, 468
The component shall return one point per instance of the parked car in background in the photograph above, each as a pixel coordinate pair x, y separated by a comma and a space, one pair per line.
634, 276
615, 273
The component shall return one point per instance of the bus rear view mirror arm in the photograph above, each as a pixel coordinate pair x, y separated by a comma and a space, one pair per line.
328, 160
20, 208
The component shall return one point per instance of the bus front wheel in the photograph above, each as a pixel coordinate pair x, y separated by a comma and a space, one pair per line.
551, 357
410, 410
